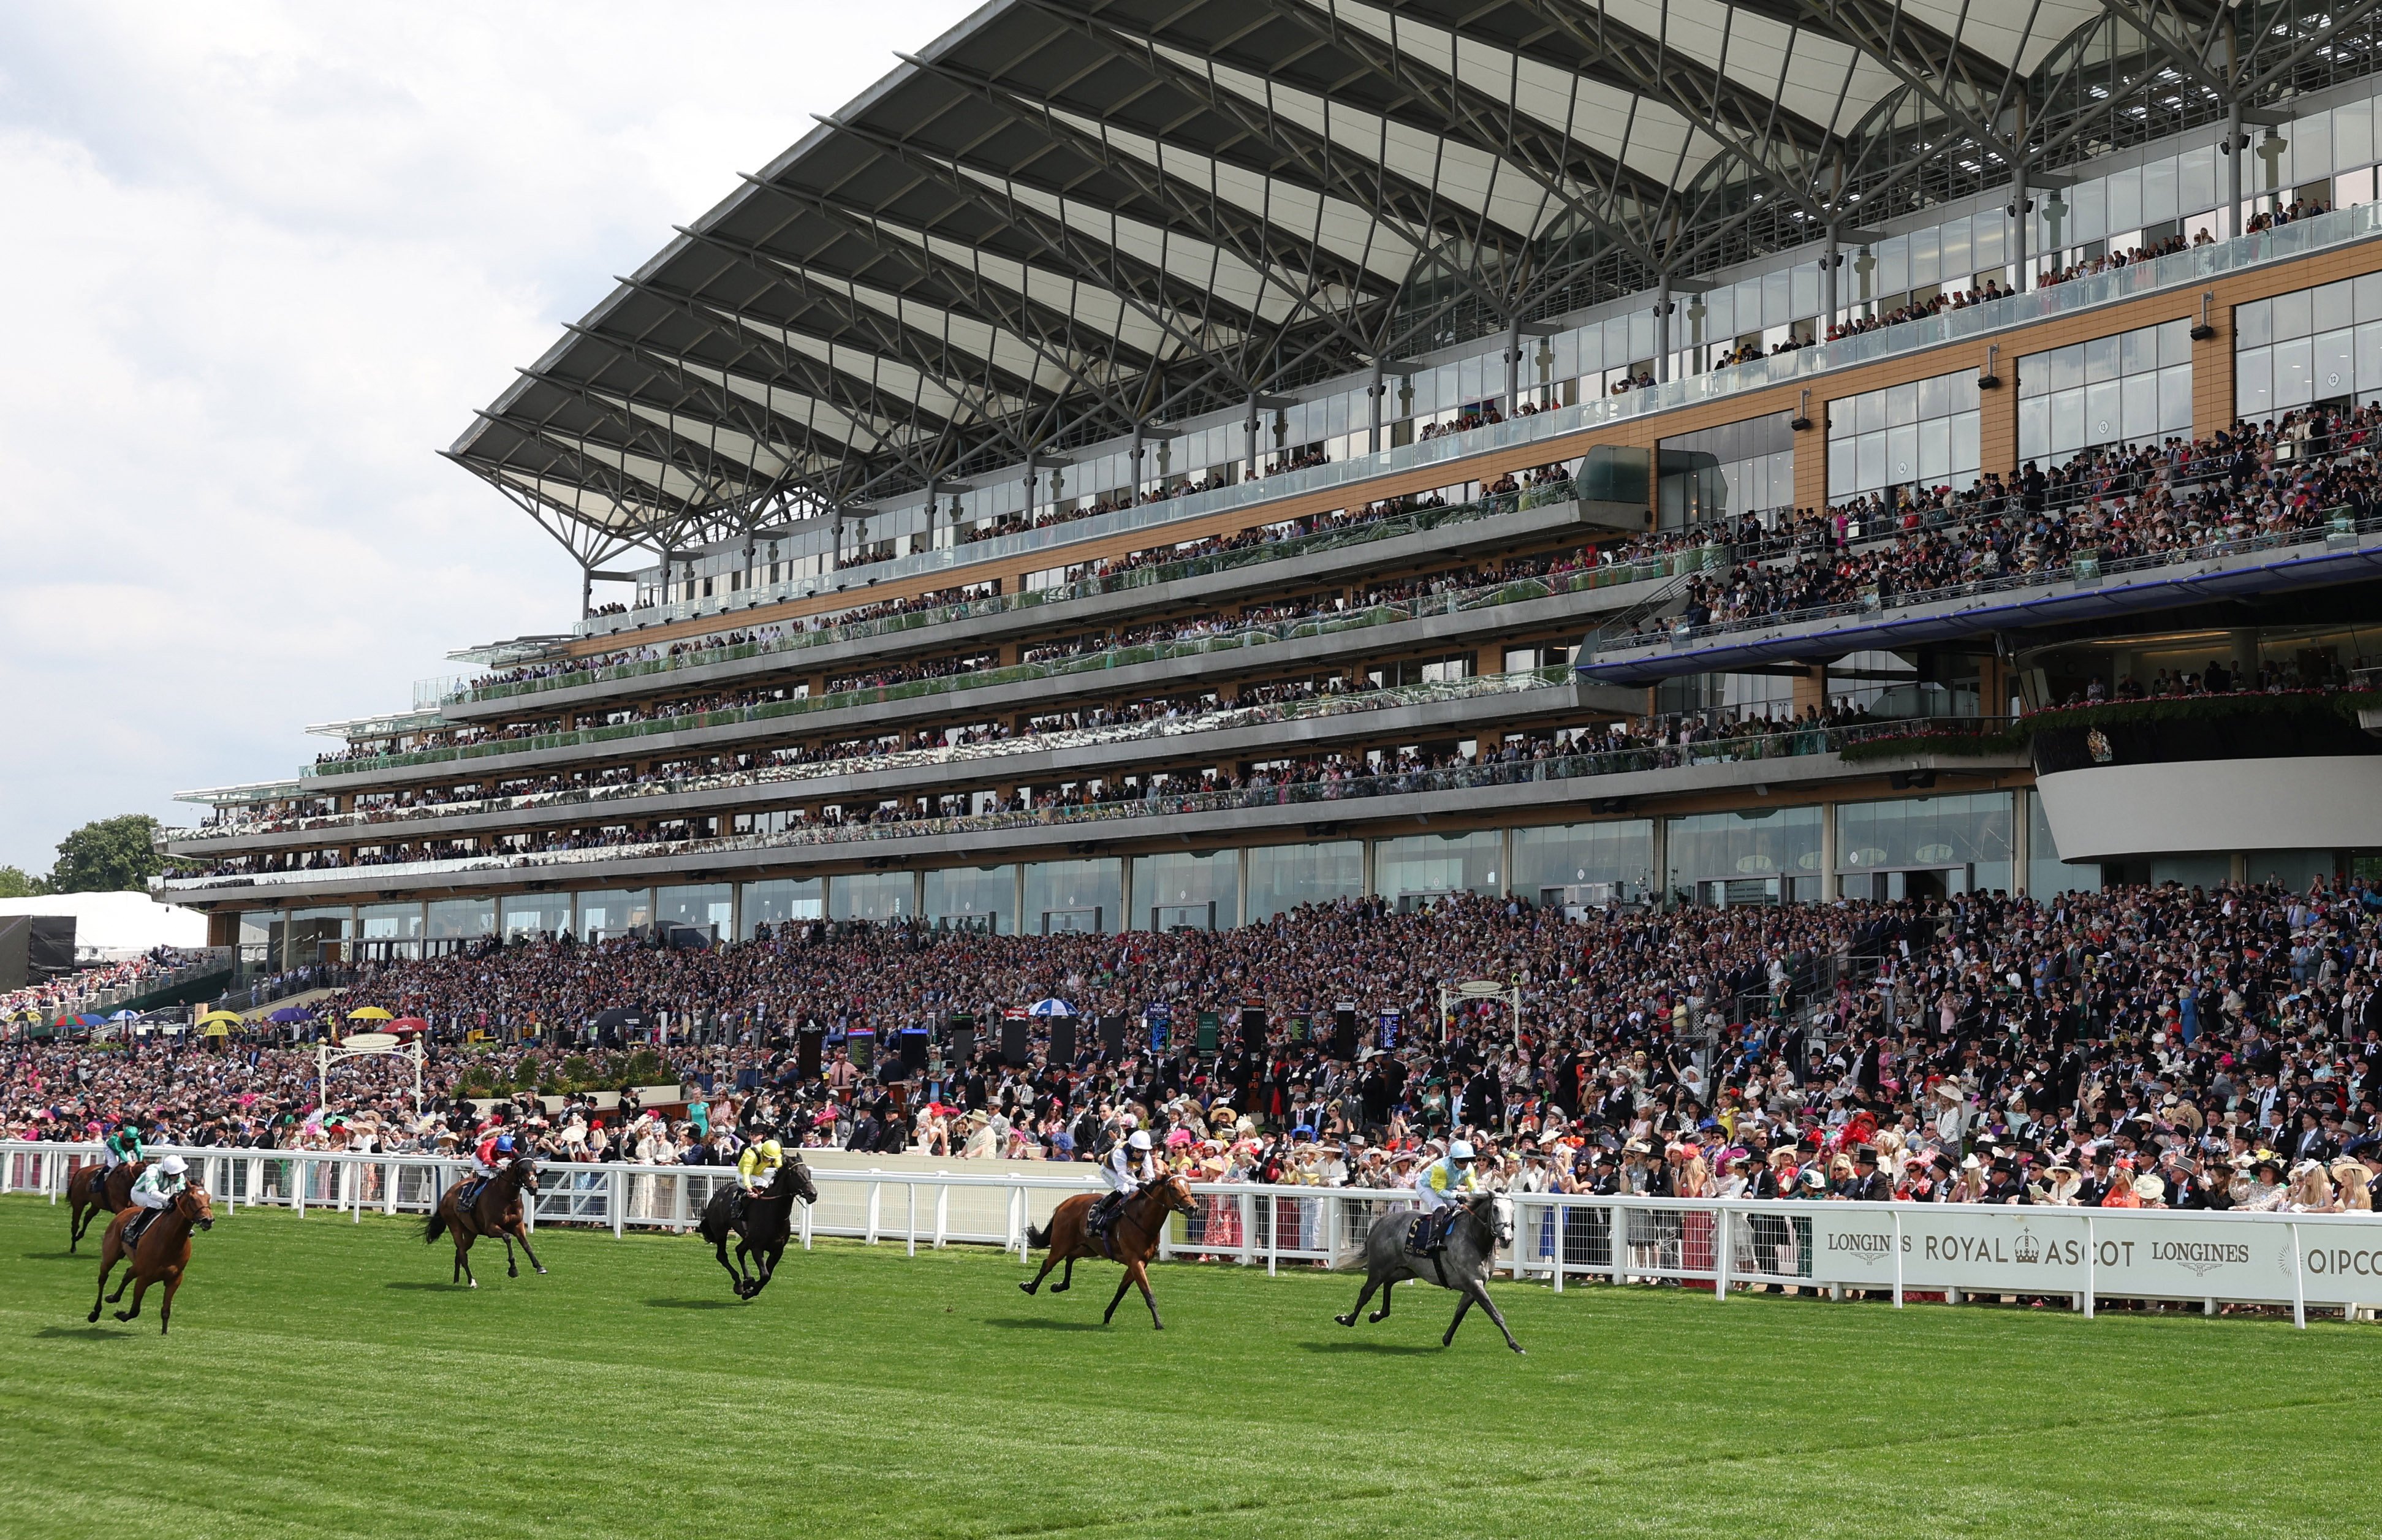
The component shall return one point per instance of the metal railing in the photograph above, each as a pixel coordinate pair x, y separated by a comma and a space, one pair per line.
1892, 1251
2198, 264
1785, 743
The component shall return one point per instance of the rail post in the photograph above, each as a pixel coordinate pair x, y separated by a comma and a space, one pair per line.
910, 1186
1897, 1259
2299, 1281
2091, 1264
1720, 1255
942, 1214
617, 1199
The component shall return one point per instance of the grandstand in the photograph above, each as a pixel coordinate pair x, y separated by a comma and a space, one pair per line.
1137, 468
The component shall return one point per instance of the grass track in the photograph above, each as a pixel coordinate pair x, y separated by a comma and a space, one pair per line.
322, 1380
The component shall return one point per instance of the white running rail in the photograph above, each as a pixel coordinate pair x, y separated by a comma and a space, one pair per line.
1897, 1251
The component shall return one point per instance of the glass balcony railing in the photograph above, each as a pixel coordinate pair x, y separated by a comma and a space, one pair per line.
1787, 743
2198, 264
1411, 522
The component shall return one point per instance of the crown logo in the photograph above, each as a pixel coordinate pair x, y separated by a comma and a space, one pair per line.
2027, 1249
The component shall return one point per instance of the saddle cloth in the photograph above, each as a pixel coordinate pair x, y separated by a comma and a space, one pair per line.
1427, 1233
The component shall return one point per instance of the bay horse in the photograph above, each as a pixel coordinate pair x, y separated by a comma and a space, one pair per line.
761, 1223
494, 1210
1462, 1263
95, 1191
1132, 1240
161, 1255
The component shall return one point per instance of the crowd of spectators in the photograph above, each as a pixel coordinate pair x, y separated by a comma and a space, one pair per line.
70, 993
2207, 1048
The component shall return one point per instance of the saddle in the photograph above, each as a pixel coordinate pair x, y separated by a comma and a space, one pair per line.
140, 1223
469, 1198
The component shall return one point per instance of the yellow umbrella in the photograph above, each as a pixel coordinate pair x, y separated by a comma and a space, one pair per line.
220, 1016
368, 1013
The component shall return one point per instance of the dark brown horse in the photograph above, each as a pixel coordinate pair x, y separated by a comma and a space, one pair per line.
494, 1210
1132, 1240
161, 1255
95, 1191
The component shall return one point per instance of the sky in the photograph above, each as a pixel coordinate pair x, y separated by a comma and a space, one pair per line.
262, 262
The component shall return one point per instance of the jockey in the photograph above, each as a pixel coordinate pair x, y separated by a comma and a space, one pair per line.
757, 1167
1440, 1186
155, 1190
493, 1153
1130, 1162
123, 1147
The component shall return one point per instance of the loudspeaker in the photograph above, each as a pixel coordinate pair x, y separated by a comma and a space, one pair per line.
1014, 1047
1253, 1027
1063, 1040
807, 1044
962, 1048
1344, 1030
913, 1050
1112, 1037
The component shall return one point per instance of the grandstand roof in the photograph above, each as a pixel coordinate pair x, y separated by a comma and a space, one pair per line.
1064, 217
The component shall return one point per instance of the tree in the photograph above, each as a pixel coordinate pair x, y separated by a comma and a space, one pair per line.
109, 855
16, 883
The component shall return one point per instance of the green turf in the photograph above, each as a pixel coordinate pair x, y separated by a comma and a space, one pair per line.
323, 1380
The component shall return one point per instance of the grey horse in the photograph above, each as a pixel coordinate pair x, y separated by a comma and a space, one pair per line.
1463, 1264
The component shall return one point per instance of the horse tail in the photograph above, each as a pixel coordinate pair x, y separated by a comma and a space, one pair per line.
1038, 1237
437, 1226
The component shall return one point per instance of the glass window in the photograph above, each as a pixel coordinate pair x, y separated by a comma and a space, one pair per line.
873, 896
976, 898
2294, 372
1180, 888
534, 915
2335, 369
1434, 864
316, 936
775, 903
1929, 832
2294, 314
385, 922
1619, 855
614, 912
2253, 323
2253, 383
1711, 854
1062, 896
1286, 875
709, 904
2332, 306
2123, 396
462, 919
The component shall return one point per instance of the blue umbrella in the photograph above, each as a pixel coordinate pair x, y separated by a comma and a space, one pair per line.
126, 1016
1050, 1007
289, 1013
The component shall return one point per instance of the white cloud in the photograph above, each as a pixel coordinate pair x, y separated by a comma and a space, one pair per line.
263, 261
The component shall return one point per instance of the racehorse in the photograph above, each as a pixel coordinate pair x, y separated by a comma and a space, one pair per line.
761, 1223
1463, 1262
95, 1191
161, 1255
494, 1210
1132, 1240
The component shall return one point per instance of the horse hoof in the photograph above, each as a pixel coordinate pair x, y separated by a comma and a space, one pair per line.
1375, 1318
474, 1284
1345, 1320
123, 1315
1026, 1289
1519, 1348
540, 1271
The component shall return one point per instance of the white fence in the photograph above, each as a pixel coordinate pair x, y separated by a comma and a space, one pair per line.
1892, 1249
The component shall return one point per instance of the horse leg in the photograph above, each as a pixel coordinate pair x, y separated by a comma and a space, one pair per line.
1050, 1260
140, 1287
512, 1268
1388, 1288
126, 1282
1461, 1306
1067, 1278
1138, 1271
1372, 1284
720, 1249
743, 1268
1123, 1284
522, 1234
1479, 1291
165, 1305
106, 1265
463, 1258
